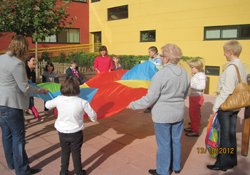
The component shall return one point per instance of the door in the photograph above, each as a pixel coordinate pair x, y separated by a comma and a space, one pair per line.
97, 41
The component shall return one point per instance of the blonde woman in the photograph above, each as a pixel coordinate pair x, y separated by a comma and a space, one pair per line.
227, 158
14, 88
198, 84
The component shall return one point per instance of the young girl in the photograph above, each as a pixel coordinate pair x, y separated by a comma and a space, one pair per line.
69, 123
49, 76
30, 70
116, 64
103, 63
198, 84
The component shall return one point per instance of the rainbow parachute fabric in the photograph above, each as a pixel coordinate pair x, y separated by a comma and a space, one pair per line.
110, 92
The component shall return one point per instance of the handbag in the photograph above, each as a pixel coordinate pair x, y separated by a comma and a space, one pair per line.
212, 140
239, 98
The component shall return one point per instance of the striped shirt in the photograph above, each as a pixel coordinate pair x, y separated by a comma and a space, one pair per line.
198, 84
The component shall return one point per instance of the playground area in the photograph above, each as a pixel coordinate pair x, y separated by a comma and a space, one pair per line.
123, 144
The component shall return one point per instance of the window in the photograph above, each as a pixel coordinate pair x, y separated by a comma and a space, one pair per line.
95, 0
65, 36
148, 36
118, 13
227, 32
245, 31
212, 70
97, 39
79, 1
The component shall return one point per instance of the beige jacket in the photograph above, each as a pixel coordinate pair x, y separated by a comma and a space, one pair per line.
228, 79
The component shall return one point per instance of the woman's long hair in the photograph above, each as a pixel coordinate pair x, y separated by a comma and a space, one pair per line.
19, 47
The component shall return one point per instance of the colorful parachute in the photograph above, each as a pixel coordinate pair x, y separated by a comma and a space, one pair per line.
111, 92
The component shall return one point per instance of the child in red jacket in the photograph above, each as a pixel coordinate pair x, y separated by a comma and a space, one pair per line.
103, 63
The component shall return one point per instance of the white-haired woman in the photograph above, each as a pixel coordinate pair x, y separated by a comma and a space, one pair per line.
167, 92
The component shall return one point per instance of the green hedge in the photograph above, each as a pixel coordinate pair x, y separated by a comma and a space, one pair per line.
87, 59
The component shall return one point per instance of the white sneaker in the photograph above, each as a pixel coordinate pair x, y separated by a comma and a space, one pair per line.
45, 112
40, 119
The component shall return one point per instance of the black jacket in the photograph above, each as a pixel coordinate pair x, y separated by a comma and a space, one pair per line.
31, 75
69, 72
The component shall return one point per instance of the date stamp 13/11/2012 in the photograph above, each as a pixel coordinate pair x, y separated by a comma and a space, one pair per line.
202, 150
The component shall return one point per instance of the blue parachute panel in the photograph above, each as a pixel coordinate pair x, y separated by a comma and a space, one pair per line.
144, 71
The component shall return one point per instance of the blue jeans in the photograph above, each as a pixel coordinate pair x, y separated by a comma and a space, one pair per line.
227, 157
168, 138
13, 138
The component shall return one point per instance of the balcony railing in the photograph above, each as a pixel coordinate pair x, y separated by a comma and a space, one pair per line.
55, 51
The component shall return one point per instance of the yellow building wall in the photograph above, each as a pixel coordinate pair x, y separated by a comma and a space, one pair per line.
180, 22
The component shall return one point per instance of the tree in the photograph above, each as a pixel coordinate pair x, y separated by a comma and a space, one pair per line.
34, 18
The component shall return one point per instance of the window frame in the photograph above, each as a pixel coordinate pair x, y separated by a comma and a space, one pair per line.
221, 28
92, 1
61, 42
117, 13
79, 1
148, 32
212, 73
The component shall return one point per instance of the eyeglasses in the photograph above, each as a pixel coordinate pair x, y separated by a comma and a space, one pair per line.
162, 55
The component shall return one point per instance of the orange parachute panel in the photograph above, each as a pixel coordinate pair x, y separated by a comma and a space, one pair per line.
114, 97
105, 78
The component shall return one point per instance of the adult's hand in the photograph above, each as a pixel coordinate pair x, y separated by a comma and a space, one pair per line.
128, 107
46, 91
214, 113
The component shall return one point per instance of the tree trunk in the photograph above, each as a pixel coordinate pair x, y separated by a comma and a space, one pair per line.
37, 78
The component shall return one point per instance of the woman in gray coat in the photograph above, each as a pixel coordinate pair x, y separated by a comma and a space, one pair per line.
14, 93
167, 92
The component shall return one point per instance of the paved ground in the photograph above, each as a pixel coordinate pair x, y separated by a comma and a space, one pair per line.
123, 144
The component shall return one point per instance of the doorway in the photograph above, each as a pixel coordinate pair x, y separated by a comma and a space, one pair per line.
97, 41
